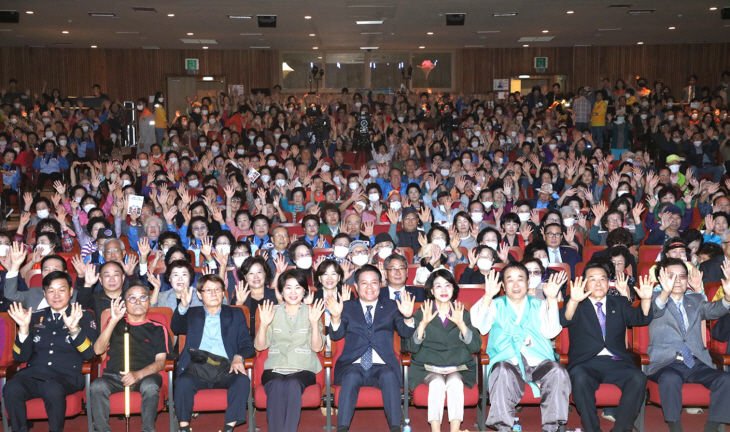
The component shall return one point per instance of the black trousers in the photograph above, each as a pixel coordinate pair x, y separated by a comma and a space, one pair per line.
43, 178
671, 378
586, 377
379, 376
22, 388
187, 385
284, 398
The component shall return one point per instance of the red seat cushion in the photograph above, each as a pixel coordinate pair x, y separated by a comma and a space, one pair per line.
211, 400
420, 396
607, 395
369, 397
311, 398
116, 402
692, 394
37, 409
529, 398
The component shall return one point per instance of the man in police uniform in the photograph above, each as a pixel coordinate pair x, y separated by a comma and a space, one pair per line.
55, 342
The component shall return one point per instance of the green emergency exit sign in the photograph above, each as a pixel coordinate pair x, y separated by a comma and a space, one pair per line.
191, 64
541, 62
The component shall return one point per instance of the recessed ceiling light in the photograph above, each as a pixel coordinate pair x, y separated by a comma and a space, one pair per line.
251, 34
371, 33
672, 28
93, 46
205, 47
639, 43
315, 47
421, 47
369, 48
545, 31
127, 32
473, 46
31, 12
171, 15
429, 33
311, 34
525, 45
504, 14
487, 31
307, 17
712, 8
571, 12
190, 34
65, 32
369, 22
240, 16
102, 15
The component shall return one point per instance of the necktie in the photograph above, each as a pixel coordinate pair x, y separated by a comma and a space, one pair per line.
397, 296
556, 255
366, 361
601, 318
56, 316
689, 360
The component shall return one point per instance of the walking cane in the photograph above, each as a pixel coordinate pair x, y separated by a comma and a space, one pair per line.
126, 371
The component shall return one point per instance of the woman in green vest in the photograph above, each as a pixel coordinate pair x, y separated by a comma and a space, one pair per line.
442, 348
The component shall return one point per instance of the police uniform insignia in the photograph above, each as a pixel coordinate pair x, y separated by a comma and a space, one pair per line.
68, 339
93, 324
268, 245
36, 339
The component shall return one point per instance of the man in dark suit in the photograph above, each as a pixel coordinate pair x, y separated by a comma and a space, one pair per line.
558, 253
597, 354
368, 358
216, 329
55, 342
676, 350
280, 236
396, 274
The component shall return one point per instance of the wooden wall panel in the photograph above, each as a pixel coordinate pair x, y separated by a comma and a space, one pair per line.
588, 65
128, 74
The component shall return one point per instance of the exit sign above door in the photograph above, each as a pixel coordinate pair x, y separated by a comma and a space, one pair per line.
192, 64
541, 62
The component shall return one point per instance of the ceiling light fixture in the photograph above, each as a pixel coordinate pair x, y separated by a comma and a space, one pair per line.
421, 47
487, 31
712, 9
429, 33
102, 15
371, 33
545, 31
171, 15
240, 16
65, 32
205, 47
473, 46
672, 28
374, 22
525, 45
93, 46
369, 48
31, 12
207, 78
524, 77
639, 43
307, 17
190, 34
504, 14
259, 47
315, 47
251, 34
312, 34
570, 12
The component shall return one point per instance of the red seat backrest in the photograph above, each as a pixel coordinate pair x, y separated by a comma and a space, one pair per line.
6, 358
160, 315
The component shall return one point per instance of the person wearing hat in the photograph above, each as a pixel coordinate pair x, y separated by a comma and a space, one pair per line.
409, 235
673, 165
544, 198
383, 246
359, 255
671, 219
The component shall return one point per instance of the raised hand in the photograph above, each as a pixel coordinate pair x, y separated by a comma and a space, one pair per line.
186, 297
405, 305
242, 292
117, 309
492, 285
316, 309
18, 253
457, 313
266, 313
622, 284
78, 264
154, 280
695, 279
429, 313
143, 246
578, 291
335, 306
72, 321
91, 277
666, 281
551, 288
21, 316
645, 288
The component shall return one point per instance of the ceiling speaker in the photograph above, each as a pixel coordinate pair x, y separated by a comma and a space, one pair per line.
455, 19
9, 17
266, 20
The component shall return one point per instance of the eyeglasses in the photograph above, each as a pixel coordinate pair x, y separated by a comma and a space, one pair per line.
614, 220
306, 255
396, 269
138, 299
222, 244
200, 229
678, 276
553, 234
361, 252
212, 291
115, 250
280, 235
534, 273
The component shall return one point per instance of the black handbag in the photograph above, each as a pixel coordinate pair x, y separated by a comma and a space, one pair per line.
208, 366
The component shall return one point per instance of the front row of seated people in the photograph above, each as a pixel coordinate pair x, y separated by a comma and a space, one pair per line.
442, 337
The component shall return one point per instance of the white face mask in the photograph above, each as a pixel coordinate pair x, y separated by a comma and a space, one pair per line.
241, 151
325, 168
568, 222
211, 121
43, 214
45, 249
4, 250
440, 243
340, 252
534, 282
373, 172
674, 168
271, 163
477, 217
49, 134
445, 172
676, 139
401, 119
544, 262
239, 261
285, 145
194, 183
223, 249
487, 204
396, 205
373, 197
259, 144
281, 182
78, 200
492, 245
143, 163
475, 144
265, 178
337, 180
524, 217
362, 204
385, 252
89, 207
358, 104
140, 107
63, 143
203, 144
697, 143
215, 149
205, 112
126, 183
172, 160
360, 260
622, 193
484, 264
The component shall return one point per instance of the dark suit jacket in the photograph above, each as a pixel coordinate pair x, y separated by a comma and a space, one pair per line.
586, 339
571, 257
417, 292
234, 331
721, 331
550, 206
712, 269
387, 319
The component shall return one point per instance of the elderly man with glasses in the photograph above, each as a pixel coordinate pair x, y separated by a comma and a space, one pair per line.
396, 273
149, 343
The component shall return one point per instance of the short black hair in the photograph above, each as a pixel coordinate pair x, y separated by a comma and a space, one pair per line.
210, 278
52, 276
368, 268
180, 264
448, 276
668, 262
599, 265
56, 257
299, 275
619, 236
250, 262
515, 264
